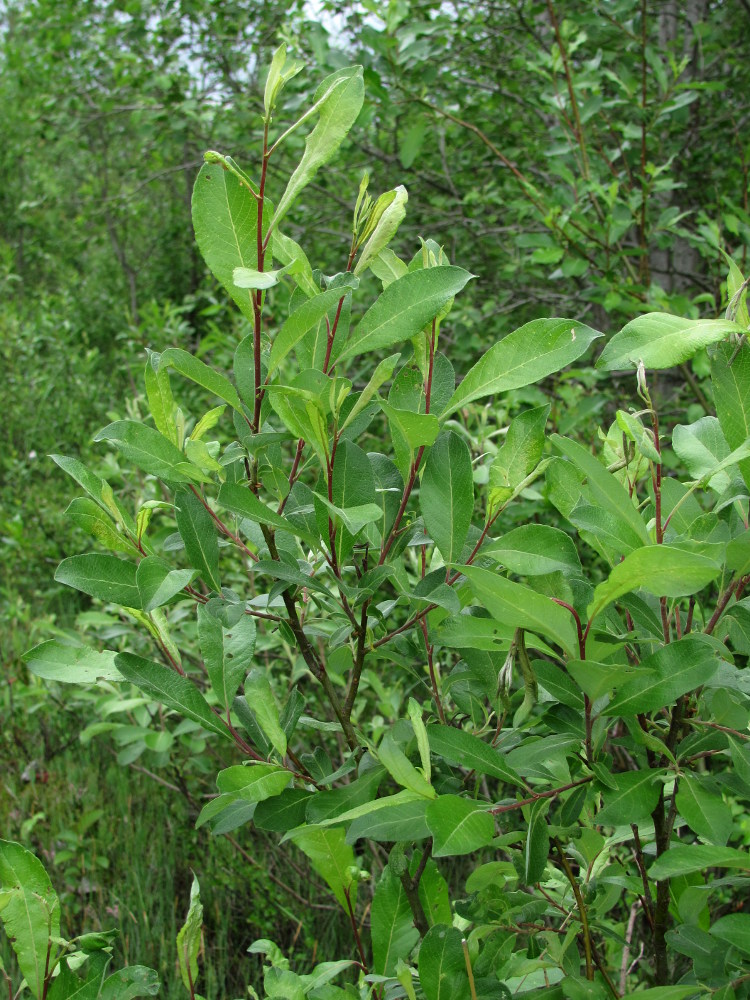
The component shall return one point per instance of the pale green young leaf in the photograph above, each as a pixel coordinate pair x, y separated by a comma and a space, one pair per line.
96, 487
660, 340
446, 494
401, 769
385, 229
420, 732
519, 455
129, 983
527, 355
198, 531
337, 101
29, 911
730, 381
165, 685
189, 939
458, 826
253, 782
288, 252
378, 378
246, 277
93, 519
260, 697
160, 399
388, 267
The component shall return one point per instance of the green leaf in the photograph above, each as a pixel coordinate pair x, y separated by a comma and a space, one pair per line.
461, 748
662, 341
200, 373
150, 451
685, 860
239, 500
158, 582
704, 811
633, 798
198, 531
96, 487
534, 550
260, 697
54, 661
605, 489
730, 381
702, 446
130, 983
189, 939
391, 924
29, 911
165, 685
404, 308
338, 100
663, 677
331, 857
284, 811
104, 577
661, 570
401, 769
225, 219
734, 928
519, 455
458, 826
304, 318
388, 267
536, 848
253, 782
395, 821
520, 607
442, 967
527, 355
227, 652
446, 494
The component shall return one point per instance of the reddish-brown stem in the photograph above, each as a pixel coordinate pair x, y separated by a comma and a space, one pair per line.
293, 473
540, 795
402, 506
355, 931
721, 606
433, 676
258, 295
332, 329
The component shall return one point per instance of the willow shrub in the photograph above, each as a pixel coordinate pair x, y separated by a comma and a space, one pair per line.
517, 758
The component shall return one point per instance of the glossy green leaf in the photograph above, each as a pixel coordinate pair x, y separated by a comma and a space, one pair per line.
227, 652
392, 927
393, 758
198, 531
442, 967
239, 500
527, 355
458, 826
730, 381
633, 798
446, 494
536, 847
29, 911
225, 219
304, 318
202, 374
105, 577
463, 749
337, 101
535, 549
253, 782
662, 570
660, 340
520, 607
519, 455
129, 983
165, 685
55, 661
667, 674
90, 517
405, 307
260, 697
704, 810
385, 229
331, 857
284, 811
702, 446
402, 820
734, 929
684, 860
96, 487
150, 451
189, 939
605, 489
158, 582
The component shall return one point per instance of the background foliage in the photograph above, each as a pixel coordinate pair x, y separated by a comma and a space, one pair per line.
582, 159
